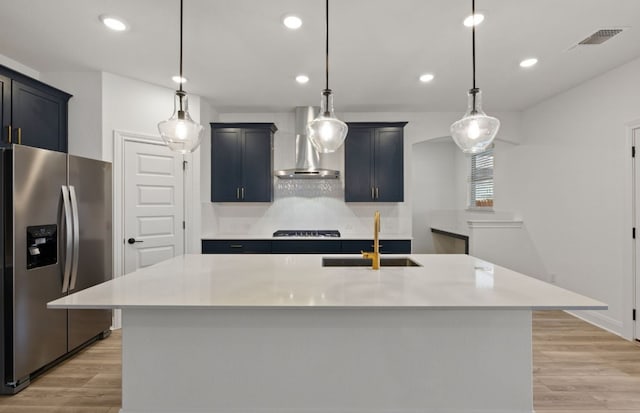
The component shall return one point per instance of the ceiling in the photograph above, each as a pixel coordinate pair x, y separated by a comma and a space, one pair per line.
239, 56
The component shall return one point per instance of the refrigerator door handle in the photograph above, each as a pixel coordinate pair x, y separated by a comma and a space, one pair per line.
68, 239
76, 237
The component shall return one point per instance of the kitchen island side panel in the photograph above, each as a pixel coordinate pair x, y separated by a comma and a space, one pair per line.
326, 360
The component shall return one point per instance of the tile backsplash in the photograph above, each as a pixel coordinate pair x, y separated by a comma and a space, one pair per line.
302, 204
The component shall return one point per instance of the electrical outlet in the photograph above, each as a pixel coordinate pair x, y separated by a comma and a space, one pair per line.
552, 278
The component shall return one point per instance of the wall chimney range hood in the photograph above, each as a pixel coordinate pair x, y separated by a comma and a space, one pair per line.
307, 158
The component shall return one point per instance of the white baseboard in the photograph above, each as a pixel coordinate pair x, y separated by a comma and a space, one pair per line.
600, 320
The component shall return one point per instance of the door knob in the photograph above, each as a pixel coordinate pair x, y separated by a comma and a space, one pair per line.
133, 241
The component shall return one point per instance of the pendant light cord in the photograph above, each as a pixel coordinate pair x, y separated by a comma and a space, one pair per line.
473, 39
326, 92
474, 91
181, 7
326, 66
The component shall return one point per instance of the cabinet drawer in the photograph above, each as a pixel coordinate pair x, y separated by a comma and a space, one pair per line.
396, 246
305, 246
236, 246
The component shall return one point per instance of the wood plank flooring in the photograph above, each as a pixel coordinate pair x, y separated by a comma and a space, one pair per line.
577, 368
90, 382
580, 368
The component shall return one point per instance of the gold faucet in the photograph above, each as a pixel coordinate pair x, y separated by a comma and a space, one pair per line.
375, 255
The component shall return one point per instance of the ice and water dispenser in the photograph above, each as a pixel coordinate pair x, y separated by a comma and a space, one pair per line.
42, 245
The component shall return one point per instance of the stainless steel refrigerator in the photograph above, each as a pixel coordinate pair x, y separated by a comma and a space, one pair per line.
57, 240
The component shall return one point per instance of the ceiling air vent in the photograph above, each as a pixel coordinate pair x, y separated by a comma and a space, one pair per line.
600, 36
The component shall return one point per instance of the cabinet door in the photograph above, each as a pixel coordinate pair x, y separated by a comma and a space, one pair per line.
238, 246
226, 161
356, 246
257, 177
389, 165
38, 118
386, 246
5, 109
306, 246
358, 165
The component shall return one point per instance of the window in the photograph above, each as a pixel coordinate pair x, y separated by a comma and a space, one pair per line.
482, 179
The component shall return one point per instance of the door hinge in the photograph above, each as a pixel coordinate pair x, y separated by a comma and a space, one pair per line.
184, 225
634, 314
633, 151
184, 165
634, 233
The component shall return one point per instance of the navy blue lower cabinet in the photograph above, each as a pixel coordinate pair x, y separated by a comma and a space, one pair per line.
236, 246
291, 246
302, 246
396, 246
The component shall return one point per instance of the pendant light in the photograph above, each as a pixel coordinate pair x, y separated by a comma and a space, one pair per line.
180, 132
326, 132
475, 131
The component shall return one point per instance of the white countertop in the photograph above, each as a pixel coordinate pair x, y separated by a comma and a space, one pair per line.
271, 237
459, 230
465, 229
300, 281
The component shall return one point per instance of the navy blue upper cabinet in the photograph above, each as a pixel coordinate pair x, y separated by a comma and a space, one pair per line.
33, 113
242, 162
5, 110
374, 162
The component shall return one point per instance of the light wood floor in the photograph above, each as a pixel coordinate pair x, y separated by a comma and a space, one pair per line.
577, 368
580, 368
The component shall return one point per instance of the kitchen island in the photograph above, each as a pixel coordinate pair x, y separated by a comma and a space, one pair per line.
282, 333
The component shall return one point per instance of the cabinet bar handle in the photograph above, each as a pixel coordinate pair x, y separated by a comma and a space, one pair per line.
373, 196
19, 136
238, 193
9, 133
242, 192
377, 194
236, 245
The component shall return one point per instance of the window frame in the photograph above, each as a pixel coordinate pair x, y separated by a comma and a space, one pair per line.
483, 174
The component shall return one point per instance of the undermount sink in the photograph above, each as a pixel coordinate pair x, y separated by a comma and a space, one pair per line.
364, 262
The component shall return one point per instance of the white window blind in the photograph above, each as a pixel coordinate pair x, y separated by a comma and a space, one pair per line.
482, 179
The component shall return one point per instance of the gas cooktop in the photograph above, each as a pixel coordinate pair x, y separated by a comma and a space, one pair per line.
307, 233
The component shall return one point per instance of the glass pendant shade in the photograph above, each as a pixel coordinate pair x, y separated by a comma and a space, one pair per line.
180, 132
475, 131
326, 132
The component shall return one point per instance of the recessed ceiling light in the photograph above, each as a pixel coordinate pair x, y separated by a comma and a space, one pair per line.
427, 77
292, 22
529, 62
179, 79
474, 20
302, 79
114, 23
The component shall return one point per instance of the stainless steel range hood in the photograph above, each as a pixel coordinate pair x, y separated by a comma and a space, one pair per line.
307, 158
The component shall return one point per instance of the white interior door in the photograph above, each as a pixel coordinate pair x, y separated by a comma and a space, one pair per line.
153, 204
636, 224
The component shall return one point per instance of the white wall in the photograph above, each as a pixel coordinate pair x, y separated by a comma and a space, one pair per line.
433, 187
19, 67
208, 114
507, 244
571, 180
134, 106
85, 110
